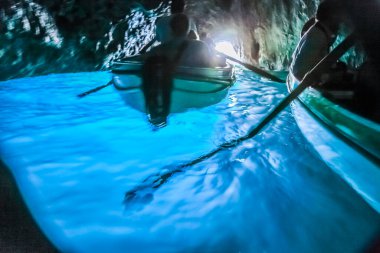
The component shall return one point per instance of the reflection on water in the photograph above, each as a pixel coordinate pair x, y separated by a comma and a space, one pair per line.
76, 161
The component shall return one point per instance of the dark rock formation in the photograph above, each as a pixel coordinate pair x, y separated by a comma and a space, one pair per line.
45, 36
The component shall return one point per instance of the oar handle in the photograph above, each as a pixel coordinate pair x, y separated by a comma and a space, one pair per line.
324, 65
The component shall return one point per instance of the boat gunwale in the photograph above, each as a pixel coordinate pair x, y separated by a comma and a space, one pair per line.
324, 120
221, 88
223, 76
216, 73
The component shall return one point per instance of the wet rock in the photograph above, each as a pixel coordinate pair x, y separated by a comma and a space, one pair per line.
89, 36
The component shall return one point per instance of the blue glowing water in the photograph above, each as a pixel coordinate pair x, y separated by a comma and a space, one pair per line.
75, 159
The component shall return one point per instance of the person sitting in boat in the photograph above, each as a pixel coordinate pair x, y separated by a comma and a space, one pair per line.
163, 29
205, 37
317, 40
219, 59
195, 53
160, 63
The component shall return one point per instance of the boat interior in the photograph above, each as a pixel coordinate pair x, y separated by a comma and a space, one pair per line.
354, 96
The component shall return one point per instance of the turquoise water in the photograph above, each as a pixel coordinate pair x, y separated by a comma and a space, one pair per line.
75, 159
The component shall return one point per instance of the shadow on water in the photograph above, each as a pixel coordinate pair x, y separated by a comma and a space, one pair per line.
18, 230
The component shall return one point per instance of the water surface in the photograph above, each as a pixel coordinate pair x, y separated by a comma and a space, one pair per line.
75, 159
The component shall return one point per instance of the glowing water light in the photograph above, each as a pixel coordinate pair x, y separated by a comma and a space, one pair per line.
226, 48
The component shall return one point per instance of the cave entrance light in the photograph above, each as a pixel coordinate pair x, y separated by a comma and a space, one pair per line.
226, 48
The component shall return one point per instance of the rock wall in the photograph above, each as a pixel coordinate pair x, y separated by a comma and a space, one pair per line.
266, 31
45, 36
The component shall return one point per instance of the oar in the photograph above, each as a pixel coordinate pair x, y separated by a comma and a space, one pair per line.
142, 51
147, 46
255, 69
94, 90
155, 181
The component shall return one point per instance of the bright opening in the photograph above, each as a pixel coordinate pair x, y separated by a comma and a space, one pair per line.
227, 48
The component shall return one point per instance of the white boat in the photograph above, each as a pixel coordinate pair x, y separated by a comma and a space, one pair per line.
193, 87
347, 142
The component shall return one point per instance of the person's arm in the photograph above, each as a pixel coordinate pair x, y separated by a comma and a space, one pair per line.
311, 50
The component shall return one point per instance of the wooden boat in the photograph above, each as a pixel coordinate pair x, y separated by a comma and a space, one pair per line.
192, 87
345, 141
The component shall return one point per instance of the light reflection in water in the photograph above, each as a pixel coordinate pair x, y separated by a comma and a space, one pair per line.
226, 48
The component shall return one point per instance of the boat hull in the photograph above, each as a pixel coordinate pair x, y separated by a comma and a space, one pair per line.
346, 142
192, 87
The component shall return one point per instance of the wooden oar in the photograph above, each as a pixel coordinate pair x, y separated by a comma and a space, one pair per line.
155, 181
94, 90
255, 69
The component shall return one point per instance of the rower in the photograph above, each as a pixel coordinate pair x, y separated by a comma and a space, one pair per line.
196, 54
318, 39
163, 29
161, 62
